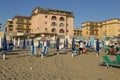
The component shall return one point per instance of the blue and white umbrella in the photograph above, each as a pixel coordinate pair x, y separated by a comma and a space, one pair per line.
4, 44
66, 44
73, 44
32, 42
48, 43
57, 45
24, 43
39, 44
97, 46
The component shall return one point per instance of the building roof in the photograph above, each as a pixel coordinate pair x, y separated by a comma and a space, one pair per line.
25, 17
48, 11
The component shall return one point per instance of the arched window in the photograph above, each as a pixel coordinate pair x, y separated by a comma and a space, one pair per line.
61, 31
54, 18
61, 25
62, 19
54, 24
53, 30
46, 29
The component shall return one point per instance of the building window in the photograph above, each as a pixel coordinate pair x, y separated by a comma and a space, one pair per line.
54, 24
54, 18
46, 29
27, 31
61, 25
62, 19
38, 28
53, 30
67, 30
45, 16
61, 31
45, 22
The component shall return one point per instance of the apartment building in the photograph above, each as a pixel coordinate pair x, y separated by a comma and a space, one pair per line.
77, 32
111, 27
44, 21
21, 24
51, 22
106, 28
91, 29
9, 25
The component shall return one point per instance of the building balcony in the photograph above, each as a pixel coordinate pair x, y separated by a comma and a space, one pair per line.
28, 23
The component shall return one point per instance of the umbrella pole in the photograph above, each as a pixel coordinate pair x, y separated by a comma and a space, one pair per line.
3, 56
72, 55
57, 52
41, 55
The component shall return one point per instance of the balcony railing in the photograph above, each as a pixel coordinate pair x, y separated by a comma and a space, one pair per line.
23, 23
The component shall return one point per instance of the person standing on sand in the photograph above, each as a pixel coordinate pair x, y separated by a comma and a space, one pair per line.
97, 47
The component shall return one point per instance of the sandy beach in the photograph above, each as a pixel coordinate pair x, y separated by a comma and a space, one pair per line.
22, 66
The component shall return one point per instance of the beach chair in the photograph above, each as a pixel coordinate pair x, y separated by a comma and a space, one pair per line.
108, 62
44, 51
118, 59
75, 52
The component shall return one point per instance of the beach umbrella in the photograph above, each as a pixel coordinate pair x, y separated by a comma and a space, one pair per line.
97, 46
32, 42
66, 43
48, 43
4, 44
57, 45
38, 43
24, 43
73, 44
33, 48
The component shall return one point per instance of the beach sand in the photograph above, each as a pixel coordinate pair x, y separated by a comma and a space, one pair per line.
21, 66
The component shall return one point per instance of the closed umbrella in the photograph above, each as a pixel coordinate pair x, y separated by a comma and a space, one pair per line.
4, 46
66, 43
33, 49
38, 43
48, 43
73, 44
24, 43
97, 47
57, 45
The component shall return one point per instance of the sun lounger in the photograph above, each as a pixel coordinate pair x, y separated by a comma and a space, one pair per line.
118, 59
108, 62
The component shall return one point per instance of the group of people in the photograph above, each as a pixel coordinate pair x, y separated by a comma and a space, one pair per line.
83, 47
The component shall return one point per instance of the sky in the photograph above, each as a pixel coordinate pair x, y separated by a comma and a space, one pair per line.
83, 10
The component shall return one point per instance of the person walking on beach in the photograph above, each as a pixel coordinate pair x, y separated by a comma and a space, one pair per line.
81, 48
97, 47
